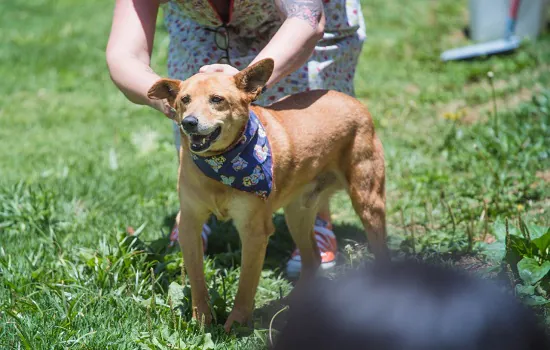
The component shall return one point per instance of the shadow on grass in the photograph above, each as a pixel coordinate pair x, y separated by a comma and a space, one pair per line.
224, 247
224, 243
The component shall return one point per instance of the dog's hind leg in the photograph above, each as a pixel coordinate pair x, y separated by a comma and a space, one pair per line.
300, 220
366, 187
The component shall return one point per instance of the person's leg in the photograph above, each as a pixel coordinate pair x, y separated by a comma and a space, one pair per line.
325, 239
324, 211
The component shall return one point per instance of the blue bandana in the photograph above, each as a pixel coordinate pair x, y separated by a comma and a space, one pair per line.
247, 166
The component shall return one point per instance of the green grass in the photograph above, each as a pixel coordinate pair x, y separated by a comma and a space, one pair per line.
70, 278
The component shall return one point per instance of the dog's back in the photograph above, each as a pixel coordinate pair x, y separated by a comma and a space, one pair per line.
322, 114
316, 136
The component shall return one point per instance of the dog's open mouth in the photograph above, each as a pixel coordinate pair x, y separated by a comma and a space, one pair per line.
201, 143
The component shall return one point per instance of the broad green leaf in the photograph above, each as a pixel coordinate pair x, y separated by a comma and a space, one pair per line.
149, 301
494, 251
531, 272
535, 300
543, 241
159, 345
525, 290
208, 343
167, 335
176, 292
499, 229
537, 231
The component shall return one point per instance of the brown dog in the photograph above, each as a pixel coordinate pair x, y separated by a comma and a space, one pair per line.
321, 141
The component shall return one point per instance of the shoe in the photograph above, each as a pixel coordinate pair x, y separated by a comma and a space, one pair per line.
205, 233
328, 248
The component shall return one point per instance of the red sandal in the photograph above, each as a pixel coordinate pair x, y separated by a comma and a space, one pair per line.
328, 248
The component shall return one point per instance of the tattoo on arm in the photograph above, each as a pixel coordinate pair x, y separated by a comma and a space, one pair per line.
308, 10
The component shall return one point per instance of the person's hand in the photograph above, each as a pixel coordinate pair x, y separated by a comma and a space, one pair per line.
163, 107
221, 68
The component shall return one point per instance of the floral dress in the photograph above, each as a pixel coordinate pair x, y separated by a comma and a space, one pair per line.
192, 26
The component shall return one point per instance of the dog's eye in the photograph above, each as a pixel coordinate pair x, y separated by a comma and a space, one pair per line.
216, 99
186, 99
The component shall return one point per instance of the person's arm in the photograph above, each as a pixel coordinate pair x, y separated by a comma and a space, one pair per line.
129, 50
294, 42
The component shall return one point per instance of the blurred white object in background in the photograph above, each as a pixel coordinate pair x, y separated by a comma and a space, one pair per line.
488, 19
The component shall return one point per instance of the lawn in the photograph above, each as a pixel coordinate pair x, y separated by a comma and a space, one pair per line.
80, 166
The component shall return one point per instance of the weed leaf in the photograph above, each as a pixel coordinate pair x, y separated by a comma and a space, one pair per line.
535, 300
499, 230
525, 290
531, 272
208, 343
543, 242
176, 292
494, 251
537, 231
517, 248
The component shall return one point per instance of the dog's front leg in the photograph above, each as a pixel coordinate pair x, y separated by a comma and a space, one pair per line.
254, 232
190, 228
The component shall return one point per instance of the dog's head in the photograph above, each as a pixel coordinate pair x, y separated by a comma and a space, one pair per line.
212, 108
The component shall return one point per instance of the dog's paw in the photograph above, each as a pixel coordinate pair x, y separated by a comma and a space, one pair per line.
236, 316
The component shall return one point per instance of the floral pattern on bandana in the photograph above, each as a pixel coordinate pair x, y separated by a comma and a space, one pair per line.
247, 166
227, 180
260, 152
216, 162
254, 178
239, 163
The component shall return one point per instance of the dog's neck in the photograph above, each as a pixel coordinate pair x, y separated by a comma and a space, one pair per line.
246, 165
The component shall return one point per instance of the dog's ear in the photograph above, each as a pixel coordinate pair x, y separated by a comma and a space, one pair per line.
165, 89
253, 79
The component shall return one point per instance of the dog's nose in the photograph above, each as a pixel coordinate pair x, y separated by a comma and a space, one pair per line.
190, 123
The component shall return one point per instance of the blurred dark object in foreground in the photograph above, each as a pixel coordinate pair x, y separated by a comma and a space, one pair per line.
409, 306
